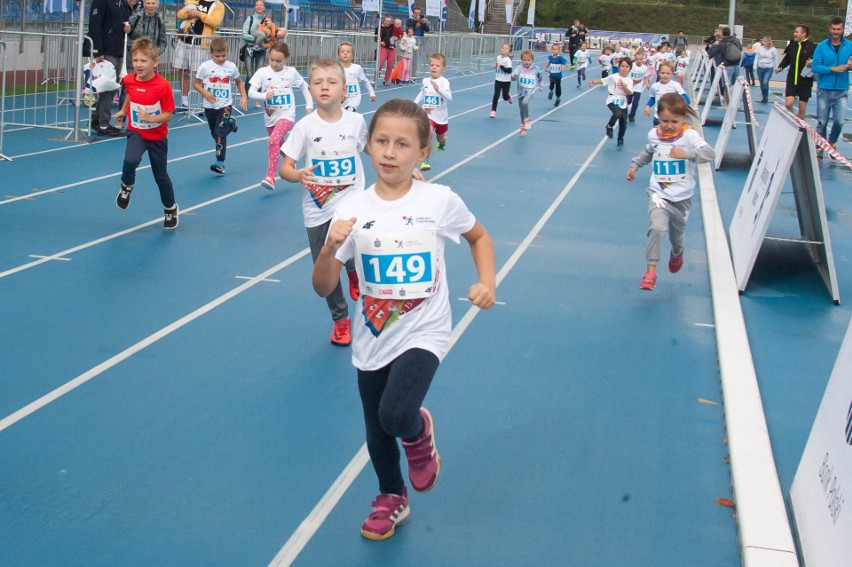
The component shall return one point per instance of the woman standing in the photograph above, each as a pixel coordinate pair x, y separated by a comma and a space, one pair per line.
258, 34
387, 55
766, 61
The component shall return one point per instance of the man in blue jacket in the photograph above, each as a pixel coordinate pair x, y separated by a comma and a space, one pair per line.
832, 63
106, 28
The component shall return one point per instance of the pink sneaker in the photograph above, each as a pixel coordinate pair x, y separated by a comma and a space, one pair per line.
492, 114
388, 511
268, 182
527, 124
522, 132
424, 462
342, 332
649, 281
511, 100
675, 262
354, 288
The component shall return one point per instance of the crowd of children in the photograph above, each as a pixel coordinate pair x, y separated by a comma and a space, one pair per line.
402, 297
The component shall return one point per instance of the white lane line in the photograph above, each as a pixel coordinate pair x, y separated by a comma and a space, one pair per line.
33, 407
708, 325
270, 280
49, 257
311, 524
495, 303
108, 237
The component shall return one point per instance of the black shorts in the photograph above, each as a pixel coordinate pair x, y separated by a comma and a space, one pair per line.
802, 91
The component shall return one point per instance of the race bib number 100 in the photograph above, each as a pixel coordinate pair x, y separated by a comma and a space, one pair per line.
397, 266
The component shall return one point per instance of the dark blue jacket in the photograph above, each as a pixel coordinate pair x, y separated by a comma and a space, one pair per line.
106, 26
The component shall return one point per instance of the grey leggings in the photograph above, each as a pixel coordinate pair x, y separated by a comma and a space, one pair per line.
524, 105
671, 217
391, 398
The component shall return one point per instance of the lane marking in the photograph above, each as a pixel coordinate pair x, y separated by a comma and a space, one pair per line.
468, 300
270, 280
55, 257
311, 524
92, 373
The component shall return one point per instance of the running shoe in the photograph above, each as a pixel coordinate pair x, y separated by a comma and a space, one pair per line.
511, 100
620, 142
440, 147
268, 182
675, 262
122, 200
388, 511
492, 114
425, 166
609, 132
424, 462
557, 102
833, 147
649, 281
170, 218
527, 124
522, 132
218, 167
342, 332
354, 287
550, 95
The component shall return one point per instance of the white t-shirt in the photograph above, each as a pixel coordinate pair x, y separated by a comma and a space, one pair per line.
638, 73
337, 148
679, 171
605, 60
418, 225
282, 83
435, 102
217, 79
615, 86
682, 63
582, 58
658, 89
501, 76
354, 77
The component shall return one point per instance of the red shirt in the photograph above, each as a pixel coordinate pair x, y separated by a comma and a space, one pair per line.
155, 96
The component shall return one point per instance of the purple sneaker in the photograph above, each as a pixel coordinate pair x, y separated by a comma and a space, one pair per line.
424, 462
388, 511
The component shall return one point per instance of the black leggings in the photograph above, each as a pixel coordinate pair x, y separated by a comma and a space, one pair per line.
556, 83
219, 121
500, 87
158, 153
618, 115
391, 398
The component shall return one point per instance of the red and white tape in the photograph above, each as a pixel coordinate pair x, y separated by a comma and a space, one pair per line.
821, 142
747, 92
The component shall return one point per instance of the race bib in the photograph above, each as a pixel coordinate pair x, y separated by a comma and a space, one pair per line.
153, 109
220, 91
526, 81
431, 102
397, 266
352, 90
282, 99
668, 169
618, 100
336, 166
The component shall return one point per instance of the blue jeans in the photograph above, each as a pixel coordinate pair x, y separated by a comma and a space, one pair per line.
834, 103
733, 72
764, 75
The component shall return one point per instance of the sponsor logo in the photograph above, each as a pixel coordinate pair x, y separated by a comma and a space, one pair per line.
368, 225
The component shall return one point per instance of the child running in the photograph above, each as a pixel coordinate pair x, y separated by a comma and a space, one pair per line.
529, 81
274, 85
674, 148
503, 79
556, 63
404, 336
330, 141
639, 75
149, 105
605, 61
620, 86
433, 97
354, 77
681, 64
663, 86
213, 80
582, 59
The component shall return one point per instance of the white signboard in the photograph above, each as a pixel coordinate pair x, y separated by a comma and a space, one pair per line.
712, 93
784, 145
706, 70
823, 480
728, 122
433, 8
370, 5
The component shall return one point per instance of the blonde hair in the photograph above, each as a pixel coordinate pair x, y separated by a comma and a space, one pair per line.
146, 46
218, 44
666, 64
439, 57
319, 64
675, 104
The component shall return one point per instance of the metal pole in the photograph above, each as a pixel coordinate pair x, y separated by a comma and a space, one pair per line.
78, 81
3, 100
378, 45
732, 9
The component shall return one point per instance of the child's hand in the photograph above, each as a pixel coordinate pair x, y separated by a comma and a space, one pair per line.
339, 232
647, 111
307, 177
373, 98
208, 96
435, 85
308, 111
119, 115
481, 295
269, 94
631, 174
591, 83
244, 102
143, 116
417, 174
677, 153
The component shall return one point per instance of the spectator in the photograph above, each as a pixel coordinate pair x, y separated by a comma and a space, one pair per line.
387, 55
106, 28
797, 55
729, 50
680, 43
766, 60
415, 19
576, 37
832, 63
200, 20
146, 23
258, 36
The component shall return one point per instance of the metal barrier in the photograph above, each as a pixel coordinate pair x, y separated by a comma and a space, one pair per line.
3, 98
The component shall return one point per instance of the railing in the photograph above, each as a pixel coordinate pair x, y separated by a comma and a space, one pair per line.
2, 98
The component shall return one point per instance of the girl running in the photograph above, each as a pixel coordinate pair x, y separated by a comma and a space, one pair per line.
663, 86
639, 75
674, 148
620, 86
354, 77
274, 86
529, 81
405, 303
503, 79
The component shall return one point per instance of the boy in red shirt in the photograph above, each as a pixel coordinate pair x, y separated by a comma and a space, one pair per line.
150, 103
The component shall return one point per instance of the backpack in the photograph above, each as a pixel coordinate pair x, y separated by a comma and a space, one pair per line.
733, 51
